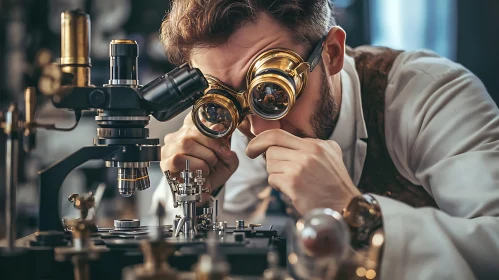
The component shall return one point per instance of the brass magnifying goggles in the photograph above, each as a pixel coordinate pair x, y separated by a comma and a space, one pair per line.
274, 81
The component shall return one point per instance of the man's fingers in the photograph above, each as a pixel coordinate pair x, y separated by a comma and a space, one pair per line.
221, 146
190, 147
278, 166
176, 164
188, 119
273, 137
222, 171
284, 154
230, 161
278, 181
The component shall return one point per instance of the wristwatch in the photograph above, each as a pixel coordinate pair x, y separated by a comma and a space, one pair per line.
363, 216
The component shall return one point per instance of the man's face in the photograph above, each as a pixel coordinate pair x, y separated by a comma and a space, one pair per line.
313, 113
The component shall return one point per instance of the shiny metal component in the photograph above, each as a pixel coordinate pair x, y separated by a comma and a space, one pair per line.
29, 139
274, 81
82, 203
240, 224
207, 211
123, 82
206, 220
186, 194
215, 215
119, 164
253, 226
172, 182
199, 180
75, 46
122, 118
143, 181
126, 224
30, 101
215, 115
126, 181
83, 249
176, 222
11, 172
284, 92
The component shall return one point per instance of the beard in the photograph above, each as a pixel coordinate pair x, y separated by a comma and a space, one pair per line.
326, 113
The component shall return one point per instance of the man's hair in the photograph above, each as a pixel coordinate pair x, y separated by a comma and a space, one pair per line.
210, 23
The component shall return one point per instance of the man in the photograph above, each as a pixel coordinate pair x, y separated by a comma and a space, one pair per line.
415, 131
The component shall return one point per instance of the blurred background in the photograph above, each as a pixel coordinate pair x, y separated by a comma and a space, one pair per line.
461, 30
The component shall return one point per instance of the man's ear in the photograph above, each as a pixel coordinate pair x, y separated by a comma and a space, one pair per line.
334, 50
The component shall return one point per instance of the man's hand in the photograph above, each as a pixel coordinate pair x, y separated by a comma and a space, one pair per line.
310, 172
213, 156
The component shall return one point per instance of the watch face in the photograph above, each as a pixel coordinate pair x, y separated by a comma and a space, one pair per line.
361, 212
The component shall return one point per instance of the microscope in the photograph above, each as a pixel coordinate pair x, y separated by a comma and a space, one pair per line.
123, 111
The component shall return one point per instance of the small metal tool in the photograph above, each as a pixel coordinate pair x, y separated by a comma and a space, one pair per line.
187, 194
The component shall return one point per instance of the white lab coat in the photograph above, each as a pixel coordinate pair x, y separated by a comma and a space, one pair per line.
442, 133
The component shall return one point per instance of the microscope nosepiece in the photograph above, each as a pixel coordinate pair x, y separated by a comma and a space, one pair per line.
142, 179
126, 181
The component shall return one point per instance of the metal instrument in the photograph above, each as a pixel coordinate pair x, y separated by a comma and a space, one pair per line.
15, 128
123, 111
83, 250
186, 195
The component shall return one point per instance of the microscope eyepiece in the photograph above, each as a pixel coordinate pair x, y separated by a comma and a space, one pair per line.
172, 93
123, 66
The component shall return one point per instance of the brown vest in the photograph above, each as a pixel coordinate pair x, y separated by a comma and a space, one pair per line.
379, 175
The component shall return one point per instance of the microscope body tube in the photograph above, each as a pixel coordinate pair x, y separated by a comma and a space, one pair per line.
75, 47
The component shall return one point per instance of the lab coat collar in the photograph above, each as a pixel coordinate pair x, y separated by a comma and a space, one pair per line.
350, 132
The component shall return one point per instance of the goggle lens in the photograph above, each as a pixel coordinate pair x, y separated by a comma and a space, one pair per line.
214, 119
269, 100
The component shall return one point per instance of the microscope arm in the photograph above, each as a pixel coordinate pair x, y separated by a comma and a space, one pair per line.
51, 180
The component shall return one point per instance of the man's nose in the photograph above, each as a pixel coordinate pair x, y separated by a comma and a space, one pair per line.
259, 125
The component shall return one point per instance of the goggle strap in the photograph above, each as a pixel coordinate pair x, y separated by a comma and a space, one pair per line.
315, 56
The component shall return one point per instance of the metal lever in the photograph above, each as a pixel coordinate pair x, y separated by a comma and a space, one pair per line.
172, 182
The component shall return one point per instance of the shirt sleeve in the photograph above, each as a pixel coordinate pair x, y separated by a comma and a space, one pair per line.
249, 179
442, 132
